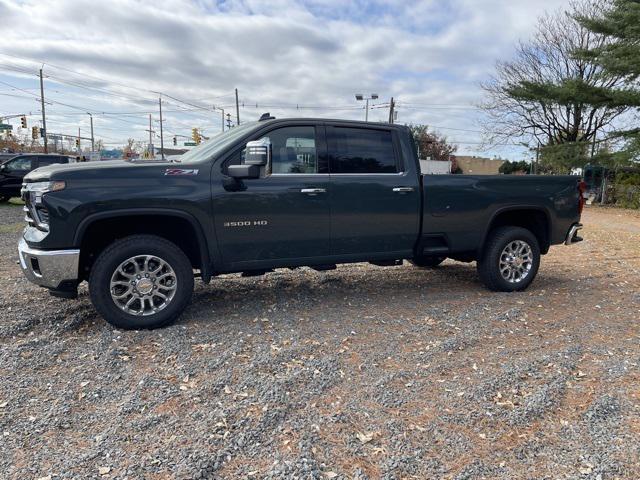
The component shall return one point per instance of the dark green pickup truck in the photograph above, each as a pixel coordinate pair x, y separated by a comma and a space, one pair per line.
279, 193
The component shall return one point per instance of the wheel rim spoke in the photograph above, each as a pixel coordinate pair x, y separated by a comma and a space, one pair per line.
143, 285
516, 261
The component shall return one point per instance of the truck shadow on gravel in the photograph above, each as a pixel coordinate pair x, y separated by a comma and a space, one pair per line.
285, 295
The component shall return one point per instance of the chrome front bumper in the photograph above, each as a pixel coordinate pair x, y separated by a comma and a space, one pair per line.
48, 268
572, 235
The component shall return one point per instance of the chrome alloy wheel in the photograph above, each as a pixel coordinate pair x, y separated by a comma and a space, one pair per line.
516, 261
143, 285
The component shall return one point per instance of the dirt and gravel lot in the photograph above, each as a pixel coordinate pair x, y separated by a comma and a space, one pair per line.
360, 373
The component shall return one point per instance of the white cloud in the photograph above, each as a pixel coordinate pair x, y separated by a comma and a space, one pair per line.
317, 52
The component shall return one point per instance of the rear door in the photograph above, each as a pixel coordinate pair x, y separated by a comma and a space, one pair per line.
282, 217
375, 201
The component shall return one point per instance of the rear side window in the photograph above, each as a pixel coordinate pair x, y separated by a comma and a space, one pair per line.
44, 161
361, 150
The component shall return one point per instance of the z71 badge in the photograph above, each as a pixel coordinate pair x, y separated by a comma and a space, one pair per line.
181, 171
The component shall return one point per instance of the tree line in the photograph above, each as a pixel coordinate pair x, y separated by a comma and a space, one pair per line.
571, 92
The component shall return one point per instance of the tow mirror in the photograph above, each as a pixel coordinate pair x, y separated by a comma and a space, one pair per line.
258, 152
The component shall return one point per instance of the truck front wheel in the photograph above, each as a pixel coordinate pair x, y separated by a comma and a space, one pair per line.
510, 259
141, 281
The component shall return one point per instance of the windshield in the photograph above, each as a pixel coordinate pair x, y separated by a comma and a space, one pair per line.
218, 143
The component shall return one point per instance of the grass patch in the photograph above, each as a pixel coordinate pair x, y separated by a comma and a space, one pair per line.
13, 202
12, 228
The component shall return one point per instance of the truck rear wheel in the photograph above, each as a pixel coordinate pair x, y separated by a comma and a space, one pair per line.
427, 262
141, 281
510, 259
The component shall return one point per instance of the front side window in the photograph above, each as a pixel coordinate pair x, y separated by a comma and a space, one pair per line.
21, 164
293, 150
361, 150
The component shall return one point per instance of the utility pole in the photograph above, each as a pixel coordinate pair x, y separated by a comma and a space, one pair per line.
79, 149
237, 109
222, 119
149, 149
44, 117
161, 133
93, 143
392, 107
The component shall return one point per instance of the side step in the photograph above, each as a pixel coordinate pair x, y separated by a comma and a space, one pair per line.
386, 263
323, 268
255, 273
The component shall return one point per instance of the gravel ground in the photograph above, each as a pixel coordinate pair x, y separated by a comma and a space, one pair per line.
358, 373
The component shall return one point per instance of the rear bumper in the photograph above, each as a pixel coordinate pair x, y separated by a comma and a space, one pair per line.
572, 234
49, 268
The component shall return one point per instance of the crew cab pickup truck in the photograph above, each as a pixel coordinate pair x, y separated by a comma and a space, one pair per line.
279, 193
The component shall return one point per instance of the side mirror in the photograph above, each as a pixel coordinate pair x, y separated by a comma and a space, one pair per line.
258, 152
240, 172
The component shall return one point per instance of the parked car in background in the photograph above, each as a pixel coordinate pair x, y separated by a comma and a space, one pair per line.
7, 156
13, 170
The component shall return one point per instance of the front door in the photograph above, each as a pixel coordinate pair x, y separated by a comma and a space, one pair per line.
282, 218
375, 203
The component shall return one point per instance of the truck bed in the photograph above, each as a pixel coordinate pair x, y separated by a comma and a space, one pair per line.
460, 209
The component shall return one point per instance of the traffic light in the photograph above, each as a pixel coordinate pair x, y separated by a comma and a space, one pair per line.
35, 133
42, 133
23, 121
195, 135
175, 140
78, 142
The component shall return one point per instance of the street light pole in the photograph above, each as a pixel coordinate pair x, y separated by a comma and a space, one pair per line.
360, 97
44, 117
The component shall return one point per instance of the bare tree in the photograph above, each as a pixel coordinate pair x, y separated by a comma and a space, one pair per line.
518, 105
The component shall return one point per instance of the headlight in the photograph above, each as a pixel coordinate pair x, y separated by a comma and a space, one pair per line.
36, 190
37, 214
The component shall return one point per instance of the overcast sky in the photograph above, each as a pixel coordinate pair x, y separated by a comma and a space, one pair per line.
114, 56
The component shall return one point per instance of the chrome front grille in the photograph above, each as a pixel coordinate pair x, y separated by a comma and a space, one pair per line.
35, 216
28, 217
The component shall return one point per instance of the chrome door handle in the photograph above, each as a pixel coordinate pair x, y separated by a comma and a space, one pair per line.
313, 191
403, 189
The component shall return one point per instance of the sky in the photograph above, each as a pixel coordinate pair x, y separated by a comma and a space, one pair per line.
291, 58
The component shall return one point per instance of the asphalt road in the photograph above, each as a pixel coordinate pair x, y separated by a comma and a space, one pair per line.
363, 372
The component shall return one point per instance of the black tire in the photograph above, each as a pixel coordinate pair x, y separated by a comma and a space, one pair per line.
427, 262
134, 246
489, 264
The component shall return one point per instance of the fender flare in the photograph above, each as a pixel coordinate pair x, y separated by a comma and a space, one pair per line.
206, 272
512, 208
